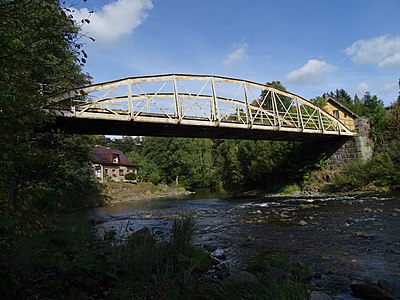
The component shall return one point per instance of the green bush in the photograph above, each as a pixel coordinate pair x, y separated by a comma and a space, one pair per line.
131, 176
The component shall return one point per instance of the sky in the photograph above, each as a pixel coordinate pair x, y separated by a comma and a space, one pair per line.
310, 46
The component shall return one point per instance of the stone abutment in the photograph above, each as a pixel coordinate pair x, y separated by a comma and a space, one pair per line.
342, 152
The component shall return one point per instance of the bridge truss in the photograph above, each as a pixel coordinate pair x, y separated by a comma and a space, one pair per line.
196, 101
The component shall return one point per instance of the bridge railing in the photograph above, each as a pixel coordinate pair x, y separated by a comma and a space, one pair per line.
197, 100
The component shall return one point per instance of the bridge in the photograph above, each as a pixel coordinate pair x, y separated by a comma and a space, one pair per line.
193, 106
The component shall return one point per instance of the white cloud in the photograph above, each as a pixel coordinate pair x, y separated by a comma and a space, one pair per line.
114, 20
381, 51
240, 53
362, 88
312, 71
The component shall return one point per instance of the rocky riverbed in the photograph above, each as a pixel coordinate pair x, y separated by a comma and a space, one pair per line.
350, 242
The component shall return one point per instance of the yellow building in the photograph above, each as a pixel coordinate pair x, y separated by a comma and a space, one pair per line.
341, 112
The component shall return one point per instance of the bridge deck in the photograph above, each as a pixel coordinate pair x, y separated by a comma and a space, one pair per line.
193, 106
127, 128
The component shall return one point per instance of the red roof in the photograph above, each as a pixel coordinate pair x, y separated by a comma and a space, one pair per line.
105, 156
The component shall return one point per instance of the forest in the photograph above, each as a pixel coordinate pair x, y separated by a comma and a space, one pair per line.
48, 249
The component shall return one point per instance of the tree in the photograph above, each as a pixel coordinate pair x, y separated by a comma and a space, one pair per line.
343, 97
40, 173
374, 109
282, 103
398, 98
183, 160
38, 58
394, 116
319, 101
358, 106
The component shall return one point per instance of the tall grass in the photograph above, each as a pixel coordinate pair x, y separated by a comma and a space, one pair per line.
161, 270
280, 277
182, 233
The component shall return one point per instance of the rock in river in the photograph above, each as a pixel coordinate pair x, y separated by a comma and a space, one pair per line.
370, 292
302, 223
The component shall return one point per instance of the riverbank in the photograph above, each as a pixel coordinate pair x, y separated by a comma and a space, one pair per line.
118, 192
259, 194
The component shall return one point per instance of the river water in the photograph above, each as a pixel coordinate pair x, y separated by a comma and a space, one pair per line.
344, 240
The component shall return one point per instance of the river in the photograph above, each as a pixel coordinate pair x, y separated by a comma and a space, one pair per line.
343, 239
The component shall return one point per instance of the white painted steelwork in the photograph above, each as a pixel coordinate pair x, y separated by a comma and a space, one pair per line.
197, 100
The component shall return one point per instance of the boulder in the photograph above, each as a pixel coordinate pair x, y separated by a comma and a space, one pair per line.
370, 292
383, 284
145, 231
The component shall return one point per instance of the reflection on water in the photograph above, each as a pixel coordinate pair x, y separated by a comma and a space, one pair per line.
344, 239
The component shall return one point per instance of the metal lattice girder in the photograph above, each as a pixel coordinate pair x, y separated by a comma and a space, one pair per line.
197, 100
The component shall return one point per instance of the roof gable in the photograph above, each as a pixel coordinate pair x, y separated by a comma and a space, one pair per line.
341, 106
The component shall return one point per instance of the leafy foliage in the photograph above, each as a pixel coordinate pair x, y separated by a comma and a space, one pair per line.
374, 109
130, 176
319, 101
394, 117
282, 102
342, 97
41, 174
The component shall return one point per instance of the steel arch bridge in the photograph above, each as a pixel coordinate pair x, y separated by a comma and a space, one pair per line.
193, 106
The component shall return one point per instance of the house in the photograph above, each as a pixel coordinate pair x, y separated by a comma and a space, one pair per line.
111, 164
340, 112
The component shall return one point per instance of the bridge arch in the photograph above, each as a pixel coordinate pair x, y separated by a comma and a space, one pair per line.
193, 105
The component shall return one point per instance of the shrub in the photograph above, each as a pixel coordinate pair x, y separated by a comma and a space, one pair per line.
131, 176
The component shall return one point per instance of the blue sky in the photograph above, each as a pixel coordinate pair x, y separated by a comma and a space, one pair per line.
311, 46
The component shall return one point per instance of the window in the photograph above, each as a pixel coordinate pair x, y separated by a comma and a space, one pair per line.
97, 171
115, 158
121, 172
336, 114
106, 171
